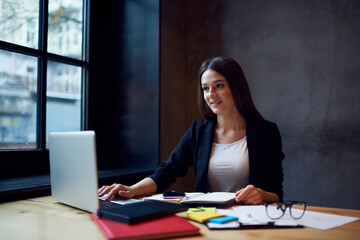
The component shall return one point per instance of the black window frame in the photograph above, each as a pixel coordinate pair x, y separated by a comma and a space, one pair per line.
103, 104
20, 163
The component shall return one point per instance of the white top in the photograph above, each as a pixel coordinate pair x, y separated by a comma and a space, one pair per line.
229, 166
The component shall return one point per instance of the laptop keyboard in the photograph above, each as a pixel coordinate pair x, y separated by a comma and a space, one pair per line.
106, 204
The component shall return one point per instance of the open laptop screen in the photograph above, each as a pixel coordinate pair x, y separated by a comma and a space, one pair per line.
73, 169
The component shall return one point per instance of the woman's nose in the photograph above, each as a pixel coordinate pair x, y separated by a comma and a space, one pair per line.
212, 93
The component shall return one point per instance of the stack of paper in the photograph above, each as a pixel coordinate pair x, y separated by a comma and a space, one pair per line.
257, 215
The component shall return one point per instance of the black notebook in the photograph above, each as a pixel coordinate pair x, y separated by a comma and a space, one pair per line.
140, 211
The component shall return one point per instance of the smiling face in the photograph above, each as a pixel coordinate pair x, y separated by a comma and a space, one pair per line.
217, 93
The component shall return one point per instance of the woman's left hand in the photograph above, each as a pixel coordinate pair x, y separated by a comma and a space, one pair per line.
249, 195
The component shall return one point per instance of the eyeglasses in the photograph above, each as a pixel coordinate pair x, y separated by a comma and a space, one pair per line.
276, 210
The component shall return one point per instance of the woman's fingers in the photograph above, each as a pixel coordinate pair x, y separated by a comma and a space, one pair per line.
101, 190
105, 189
242, 194
248, 195
253, 199
116, 190
113, 190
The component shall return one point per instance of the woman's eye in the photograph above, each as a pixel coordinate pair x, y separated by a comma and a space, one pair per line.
205, 89
220, 85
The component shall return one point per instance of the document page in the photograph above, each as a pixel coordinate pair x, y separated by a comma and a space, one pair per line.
257, 215
321, 221
213, 197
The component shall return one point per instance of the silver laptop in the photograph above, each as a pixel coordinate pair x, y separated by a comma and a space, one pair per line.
73, 169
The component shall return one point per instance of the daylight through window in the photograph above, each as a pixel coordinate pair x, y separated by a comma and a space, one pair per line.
42, 66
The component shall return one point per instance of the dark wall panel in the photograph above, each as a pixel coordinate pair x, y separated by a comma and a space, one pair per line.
124, 83
301, 59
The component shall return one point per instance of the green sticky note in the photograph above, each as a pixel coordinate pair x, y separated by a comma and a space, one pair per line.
209, 209
195, 210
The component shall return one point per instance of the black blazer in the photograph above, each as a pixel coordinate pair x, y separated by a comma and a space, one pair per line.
264, 148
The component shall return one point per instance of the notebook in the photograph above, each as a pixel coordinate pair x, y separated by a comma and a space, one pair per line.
165, 227
213, 199
141, 211
73, 169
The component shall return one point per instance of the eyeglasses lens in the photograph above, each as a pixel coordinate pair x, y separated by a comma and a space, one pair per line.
297, 210
275, 210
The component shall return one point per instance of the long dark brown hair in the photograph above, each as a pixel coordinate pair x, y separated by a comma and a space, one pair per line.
239, 87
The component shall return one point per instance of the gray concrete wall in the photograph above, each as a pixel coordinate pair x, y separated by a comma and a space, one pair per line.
301, 59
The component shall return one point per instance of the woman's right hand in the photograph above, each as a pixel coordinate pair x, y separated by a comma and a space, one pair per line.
116, 189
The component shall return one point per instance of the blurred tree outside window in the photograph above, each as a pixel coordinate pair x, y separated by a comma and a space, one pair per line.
19, 70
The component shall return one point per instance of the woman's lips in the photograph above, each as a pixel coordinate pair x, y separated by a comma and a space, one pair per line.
215, 103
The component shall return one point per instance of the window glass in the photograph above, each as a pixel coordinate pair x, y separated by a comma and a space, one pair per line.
18, 88
63, 106
65, 27
19, 21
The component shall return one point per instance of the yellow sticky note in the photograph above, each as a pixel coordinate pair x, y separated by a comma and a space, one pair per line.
203, 216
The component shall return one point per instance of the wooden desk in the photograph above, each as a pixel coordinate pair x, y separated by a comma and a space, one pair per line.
43, 218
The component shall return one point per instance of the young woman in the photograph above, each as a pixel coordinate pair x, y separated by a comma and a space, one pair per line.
233, 150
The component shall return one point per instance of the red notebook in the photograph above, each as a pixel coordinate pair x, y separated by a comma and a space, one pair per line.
165, 227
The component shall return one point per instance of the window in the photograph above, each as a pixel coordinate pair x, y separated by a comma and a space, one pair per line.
46, 85
36, 66
17, 100
42, 78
